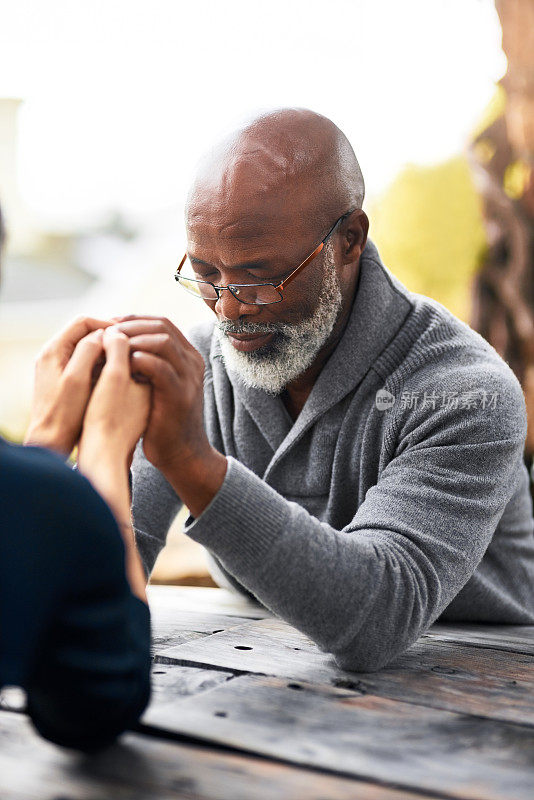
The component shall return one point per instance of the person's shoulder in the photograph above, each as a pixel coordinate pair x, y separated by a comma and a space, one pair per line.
32, 466
436, 340
36, 484
452, 374
431, 339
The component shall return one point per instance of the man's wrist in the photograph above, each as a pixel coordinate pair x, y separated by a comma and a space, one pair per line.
197, 479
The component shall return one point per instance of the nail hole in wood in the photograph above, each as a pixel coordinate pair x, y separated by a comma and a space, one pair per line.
444, 670
346, 683
242, 647
220, 714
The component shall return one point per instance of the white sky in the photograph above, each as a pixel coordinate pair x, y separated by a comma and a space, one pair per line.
122, 96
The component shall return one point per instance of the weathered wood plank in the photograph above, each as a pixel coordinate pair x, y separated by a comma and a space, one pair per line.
173, 626
145, 768
197, 621
203, 599
268, 646
373, 738
512, 638
171, 682
484, 682
172, 638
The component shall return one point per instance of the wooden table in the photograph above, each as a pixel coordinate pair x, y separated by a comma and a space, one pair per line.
245, 707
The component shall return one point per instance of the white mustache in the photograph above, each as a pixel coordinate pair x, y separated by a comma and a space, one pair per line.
250, 327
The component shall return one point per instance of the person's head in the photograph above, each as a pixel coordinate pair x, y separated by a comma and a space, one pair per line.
261, 203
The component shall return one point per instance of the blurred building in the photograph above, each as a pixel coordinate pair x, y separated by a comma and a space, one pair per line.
41, 282
17, 217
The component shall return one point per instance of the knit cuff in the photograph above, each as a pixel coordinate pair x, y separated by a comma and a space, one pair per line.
242, 521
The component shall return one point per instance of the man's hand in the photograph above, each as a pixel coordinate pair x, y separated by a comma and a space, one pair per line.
176, 370
175, 440
63, 382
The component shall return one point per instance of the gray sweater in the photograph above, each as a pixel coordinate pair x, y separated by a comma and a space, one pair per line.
363, 522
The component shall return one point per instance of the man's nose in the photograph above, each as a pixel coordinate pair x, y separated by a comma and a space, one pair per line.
229, 307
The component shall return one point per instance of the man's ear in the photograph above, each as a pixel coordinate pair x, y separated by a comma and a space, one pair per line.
355, 236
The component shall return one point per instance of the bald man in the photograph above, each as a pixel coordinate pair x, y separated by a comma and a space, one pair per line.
350, 452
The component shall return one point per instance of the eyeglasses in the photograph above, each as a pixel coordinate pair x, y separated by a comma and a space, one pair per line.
249, 293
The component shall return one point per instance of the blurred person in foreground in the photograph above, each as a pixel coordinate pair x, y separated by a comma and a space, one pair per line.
350, 452
74, 623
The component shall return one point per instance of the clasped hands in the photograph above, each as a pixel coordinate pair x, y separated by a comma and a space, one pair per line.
151, 385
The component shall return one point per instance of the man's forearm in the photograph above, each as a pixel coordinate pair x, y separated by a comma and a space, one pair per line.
364, 593
197, 479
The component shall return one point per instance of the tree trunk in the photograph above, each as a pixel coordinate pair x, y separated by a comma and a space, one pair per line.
502, 157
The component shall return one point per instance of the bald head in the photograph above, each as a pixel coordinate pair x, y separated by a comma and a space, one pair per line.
290, 162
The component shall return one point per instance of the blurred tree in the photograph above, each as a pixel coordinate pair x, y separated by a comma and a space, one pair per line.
502, 157
429, 229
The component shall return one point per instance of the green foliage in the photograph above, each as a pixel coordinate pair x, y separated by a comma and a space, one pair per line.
429, 230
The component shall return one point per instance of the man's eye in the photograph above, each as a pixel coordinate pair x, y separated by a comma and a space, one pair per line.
206, 276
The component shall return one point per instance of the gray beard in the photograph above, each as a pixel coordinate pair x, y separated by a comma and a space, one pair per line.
293, 348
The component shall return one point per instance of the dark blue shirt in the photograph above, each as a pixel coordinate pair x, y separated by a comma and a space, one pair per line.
71, 632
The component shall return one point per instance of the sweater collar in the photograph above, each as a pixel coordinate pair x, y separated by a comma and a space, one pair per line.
380, 307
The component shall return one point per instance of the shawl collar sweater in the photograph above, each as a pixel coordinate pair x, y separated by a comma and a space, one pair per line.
361, 523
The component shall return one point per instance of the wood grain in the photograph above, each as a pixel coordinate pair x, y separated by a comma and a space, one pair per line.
171, 638
511, 638
480, 681
452, 717
173, 626
145, 768
171, 682
404, 745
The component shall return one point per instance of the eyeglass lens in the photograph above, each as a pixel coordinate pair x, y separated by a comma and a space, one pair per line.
257, 294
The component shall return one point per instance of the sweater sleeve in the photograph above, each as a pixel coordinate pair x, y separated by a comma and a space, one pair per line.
367, 592
155, 504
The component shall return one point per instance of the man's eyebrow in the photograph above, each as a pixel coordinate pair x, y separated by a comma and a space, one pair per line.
260, 264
